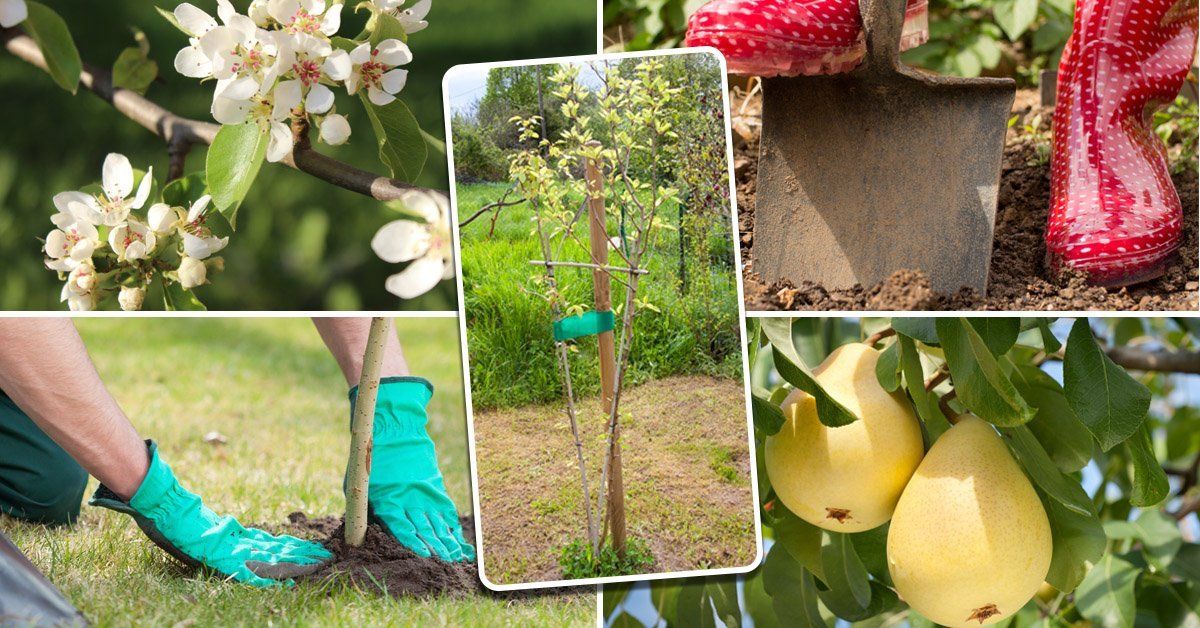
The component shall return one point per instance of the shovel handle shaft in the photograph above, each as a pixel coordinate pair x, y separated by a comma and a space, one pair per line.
883, 24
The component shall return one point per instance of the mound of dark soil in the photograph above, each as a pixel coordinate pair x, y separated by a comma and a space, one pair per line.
383, 563
1019, 278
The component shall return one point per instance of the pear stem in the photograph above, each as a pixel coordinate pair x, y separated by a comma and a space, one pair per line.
879, 335
939, 377
944, 406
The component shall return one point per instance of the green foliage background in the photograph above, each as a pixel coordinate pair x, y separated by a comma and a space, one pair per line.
301, 243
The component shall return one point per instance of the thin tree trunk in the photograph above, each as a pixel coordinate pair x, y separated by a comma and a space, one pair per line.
362, 430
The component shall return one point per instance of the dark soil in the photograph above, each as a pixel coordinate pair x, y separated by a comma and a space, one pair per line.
1019, 278
383, 563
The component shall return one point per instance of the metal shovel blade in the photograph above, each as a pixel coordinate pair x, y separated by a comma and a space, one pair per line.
880, 169
27, 598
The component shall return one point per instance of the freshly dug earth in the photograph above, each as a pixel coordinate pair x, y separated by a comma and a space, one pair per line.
1019, 278
383, 563
686, 468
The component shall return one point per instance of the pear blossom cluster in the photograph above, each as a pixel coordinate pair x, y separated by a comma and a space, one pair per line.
104, 244
278, 64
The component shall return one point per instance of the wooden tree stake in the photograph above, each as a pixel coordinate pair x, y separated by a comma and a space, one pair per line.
602, 293
362, 428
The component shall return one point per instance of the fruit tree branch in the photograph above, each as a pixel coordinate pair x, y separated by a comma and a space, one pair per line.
178, 131
1158, 360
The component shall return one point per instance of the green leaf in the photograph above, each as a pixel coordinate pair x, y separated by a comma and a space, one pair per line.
793, 370
768, 418
758, 604
1045, 474
184, 191
882, 599
386, 26
999, 334
170, 17
1110, 402
920, 329
613, 594
1055, 425
801, 539
914, 382
1079, 542
402, 148
1150, 485
845, 574
1187, 562
662, 596
625, 620
178, 299
723, 592
692, 605
1049, 341
887, 369
809, 338
232, 164
979, 382
783, 578
1015, 16
871, 547
1157, 531
133, 70
1106, 595
58, 48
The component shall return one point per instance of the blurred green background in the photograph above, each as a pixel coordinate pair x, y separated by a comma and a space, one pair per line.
301, 244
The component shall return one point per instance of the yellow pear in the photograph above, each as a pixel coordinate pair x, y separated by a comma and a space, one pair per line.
845, 479
970, 543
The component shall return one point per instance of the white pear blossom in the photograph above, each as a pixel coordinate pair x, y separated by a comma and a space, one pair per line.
111, 207
309, 57
375, 70
427, 245
132, 241
259, 13
70, 244
131, 298
246, 61
306, 16
335, 129
411, 19
79, 290
271, 112
12, 12
198, 241
192, 273
193, 61
161, 218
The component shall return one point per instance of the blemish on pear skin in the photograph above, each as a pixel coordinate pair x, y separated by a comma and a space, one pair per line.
983, 613
841, 515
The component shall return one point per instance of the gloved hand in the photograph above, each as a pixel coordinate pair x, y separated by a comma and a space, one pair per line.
179, 522
405, 491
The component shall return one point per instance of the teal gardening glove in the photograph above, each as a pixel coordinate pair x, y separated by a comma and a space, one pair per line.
179, 522
405, 491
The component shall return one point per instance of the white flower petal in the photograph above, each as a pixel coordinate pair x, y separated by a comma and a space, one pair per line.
197, 208
192, 62
401, 241
56, 244
143, 191
160, 217
428, 206
319, 99
287, 97
117, 176
192, 273
394, 80
332, 20
12, 12
63, 200
338, 66
283, 10
393, 52
194, 21
242, 88
361, 54
280, 145
420, 277
229, 111
378, 97
335, 130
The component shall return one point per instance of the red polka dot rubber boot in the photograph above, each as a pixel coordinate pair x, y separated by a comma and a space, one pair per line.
793, 37
1114, 212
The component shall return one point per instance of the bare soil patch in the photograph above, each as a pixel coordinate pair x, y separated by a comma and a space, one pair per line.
686, 464
1019, 279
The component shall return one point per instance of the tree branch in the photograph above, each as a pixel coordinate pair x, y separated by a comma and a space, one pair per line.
178, 131
1138, 359
498, 205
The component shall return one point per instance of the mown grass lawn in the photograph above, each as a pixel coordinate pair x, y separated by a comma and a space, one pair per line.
691, 330
271, 389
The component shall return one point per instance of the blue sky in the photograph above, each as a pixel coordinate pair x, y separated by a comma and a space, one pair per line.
466, 84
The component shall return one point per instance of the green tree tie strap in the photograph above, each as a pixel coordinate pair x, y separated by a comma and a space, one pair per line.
586, 324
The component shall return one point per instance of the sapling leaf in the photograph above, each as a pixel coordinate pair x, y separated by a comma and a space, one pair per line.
1110, 402
54, 39
1150, 485
793, 370
979, 382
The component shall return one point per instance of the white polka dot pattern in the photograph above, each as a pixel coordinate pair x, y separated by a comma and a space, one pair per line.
1114, 212
792, 37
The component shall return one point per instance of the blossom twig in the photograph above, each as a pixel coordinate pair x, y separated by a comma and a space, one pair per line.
172, 127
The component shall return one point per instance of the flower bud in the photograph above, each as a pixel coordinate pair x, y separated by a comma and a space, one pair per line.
192, 273
131, 298
335, 129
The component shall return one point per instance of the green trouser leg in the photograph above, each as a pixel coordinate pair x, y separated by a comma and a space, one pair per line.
39, 481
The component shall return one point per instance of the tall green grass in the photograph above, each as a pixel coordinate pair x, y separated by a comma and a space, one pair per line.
509, 328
